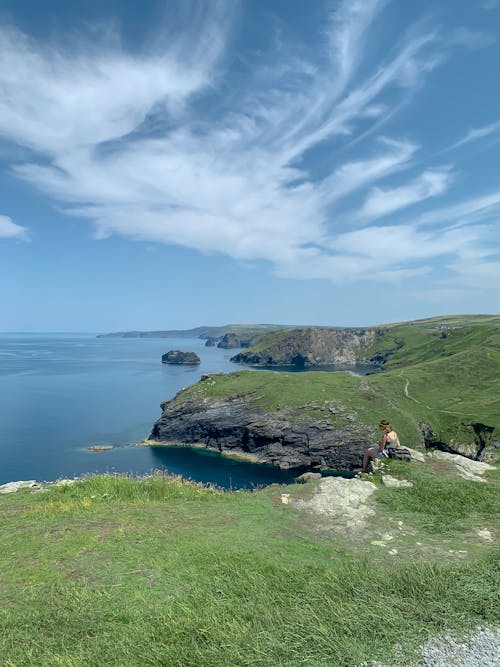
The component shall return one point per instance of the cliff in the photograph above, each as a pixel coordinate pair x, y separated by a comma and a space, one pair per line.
309, 347
440, 392
286, 438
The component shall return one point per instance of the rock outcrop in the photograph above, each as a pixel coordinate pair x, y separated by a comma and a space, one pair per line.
310, 347
231, 341
178, 357
280, 438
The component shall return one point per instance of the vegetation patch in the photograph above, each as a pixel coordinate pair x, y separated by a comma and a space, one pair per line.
117, 571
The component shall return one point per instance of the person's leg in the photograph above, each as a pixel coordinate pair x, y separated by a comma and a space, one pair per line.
370, 453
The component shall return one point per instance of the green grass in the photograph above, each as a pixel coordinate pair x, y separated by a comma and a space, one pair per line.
113, 571
448, 383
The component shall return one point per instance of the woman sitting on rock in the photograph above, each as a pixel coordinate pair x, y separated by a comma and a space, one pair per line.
388, 440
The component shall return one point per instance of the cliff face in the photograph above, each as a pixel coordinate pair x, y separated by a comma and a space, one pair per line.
279, 438
310, 347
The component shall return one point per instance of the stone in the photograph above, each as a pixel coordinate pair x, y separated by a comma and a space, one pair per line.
467, 468
208, 376
306, 476
100, 448
344, 500
12, 487
485, 534
416, 455
393, 482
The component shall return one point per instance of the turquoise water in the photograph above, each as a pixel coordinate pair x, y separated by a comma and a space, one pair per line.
61, 393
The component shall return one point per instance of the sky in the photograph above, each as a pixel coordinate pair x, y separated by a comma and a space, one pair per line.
176, 163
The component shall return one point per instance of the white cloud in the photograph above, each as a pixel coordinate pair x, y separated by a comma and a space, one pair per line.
476, 133
127, 142
9, 229
380, 202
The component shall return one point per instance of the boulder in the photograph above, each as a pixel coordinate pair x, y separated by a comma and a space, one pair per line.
12, 487
306, 476
344, 500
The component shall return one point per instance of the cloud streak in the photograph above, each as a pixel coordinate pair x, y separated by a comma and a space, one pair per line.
9, 229
146, 146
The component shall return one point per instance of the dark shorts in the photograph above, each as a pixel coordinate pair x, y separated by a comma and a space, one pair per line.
378, 453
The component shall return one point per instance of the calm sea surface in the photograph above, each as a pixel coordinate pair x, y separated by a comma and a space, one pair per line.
61, 393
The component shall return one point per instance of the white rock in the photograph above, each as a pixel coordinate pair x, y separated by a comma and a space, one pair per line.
416, 455
309, 475
466, 474
12, 487
474, 467
342, 499
388, 480
285, 498
484, 533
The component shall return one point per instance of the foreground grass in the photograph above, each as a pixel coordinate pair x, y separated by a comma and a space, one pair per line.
112, 571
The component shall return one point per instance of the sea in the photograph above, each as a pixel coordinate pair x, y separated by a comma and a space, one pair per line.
62, 393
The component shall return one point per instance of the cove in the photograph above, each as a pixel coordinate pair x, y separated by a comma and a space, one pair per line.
209, 467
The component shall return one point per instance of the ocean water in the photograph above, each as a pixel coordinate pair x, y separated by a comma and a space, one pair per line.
60, 394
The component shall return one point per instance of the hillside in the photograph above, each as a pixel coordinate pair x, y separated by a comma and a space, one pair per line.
112, 571
387, 346
438, 390
204, 332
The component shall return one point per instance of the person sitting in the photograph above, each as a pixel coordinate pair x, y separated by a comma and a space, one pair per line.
389, 439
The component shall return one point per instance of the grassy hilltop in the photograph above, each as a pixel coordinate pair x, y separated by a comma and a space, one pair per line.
114, 571
111, 571
447, 379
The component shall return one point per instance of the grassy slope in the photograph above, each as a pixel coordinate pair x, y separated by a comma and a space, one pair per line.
119, 572
445, 382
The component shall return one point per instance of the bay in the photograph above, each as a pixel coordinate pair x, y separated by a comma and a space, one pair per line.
60, 393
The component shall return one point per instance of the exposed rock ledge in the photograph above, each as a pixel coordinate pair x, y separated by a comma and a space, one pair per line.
278, 438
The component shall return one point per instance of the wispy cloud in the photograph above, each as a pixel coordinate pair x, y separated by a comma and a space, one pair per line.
475, 134
381, 202
9, 229
165, 146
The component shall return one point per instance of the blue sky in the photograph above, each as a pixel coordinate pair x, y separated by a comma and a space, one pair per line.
170, 164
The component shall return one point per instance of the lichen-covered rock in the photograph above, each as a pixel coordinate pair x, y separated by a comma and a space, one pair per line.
345, 500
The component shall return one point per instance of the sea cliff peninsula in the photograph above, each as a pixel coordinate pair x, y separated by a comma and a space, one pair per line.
250, 388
